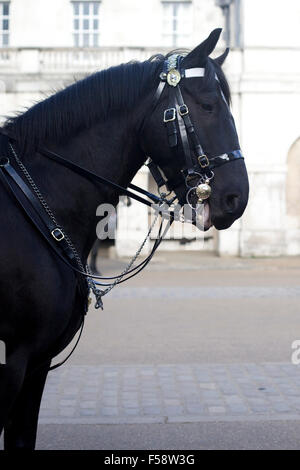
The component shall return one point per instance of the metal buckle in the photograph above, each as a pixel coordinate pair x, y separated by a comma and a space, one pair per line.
57, 234
203, 161
170, 115
183, 110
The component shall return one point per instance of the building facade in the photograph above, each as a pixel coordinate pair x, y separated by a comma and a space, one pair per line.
44, 44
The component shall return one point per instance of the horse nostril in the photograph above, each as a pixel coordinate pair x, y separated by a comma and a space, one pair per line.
231, 203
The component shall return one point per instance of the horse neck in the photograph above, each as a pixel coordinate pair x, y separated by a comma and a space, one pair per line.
109, 149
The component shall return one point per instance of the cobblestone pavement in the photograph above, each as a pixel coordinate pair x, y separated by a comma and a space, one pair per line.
171, 393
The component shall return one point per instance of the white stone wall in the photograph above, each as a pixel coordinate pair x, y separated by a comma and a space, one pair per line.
48, 23
264, 75
41, 23
268, 92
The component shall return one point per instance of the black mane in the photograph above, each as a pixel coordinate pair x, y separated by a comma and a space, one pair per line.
83, 103
89, 100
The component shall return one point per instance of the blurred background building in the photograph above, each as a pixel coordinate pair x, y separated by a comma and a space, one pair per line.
44, 44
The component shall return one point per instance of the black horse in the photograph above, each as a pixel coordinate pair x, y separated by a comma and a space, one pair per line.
107, 124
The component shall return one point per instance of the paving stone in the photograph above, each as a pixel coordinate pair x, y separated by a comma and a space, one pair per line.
129, 404
195, 409
217, 409
227, 389
67, 402
110, 401
152, 410
281, 407
238, 408
67, 412
233, 399
132, 411
210, 393
173, 410
88, 404
208, 385
87, 412
150, 402
109, 411
173, 392
172, 402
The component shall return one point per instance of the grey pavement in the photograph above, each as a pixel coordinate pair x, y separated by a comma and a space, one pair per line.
195, 352
279, 435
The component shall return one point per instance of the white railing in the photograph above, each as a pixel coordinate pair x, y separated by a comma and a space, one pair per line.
8, 59
69, 60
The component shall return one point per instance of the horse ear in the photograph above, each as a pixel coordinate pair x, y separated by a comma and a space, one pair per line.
221, 59
204, 49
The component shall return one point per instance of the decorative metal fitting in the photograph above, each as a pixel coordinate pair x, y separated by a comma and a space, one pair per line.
172, 62
203, 191
58, 234
173, 77
170, 115
163, 76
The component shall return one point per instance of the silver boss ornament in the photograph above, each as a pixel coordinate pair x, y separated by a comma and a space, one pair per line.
203, 191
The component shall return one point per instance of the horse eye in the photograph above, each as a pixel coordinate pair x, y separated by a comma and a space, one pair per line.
207, 107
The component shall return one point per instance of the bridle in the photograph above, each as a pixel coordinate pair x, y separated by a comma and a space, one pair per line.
194, 177
198, 169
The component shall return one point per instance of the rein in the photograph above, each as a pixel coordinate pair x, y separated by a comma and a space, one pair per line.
198, 167
36, 208
194, 177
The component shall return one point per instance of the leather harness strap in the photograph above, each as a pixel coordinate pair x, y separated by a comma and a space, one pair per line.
28, 198
27, 201
187, 132
177, 116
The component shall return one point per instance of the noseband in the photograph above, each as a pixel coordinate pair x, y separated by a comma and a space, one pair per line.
198, 170
197, 165
194, 177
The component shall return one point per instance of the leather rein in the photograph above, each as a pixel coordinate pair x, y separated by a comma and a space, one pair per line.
197, 165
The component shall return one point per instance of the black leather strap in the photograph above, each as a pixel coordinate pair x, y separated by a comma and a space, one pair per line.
170, 123
155, 172
214, 162
33, 216
184, 137
172, 133
158, 93
184, 113
96, 179
99, 179
45, 225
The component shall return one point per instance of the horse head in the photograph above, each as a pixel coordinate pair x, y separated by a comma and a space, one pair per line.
191, 135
